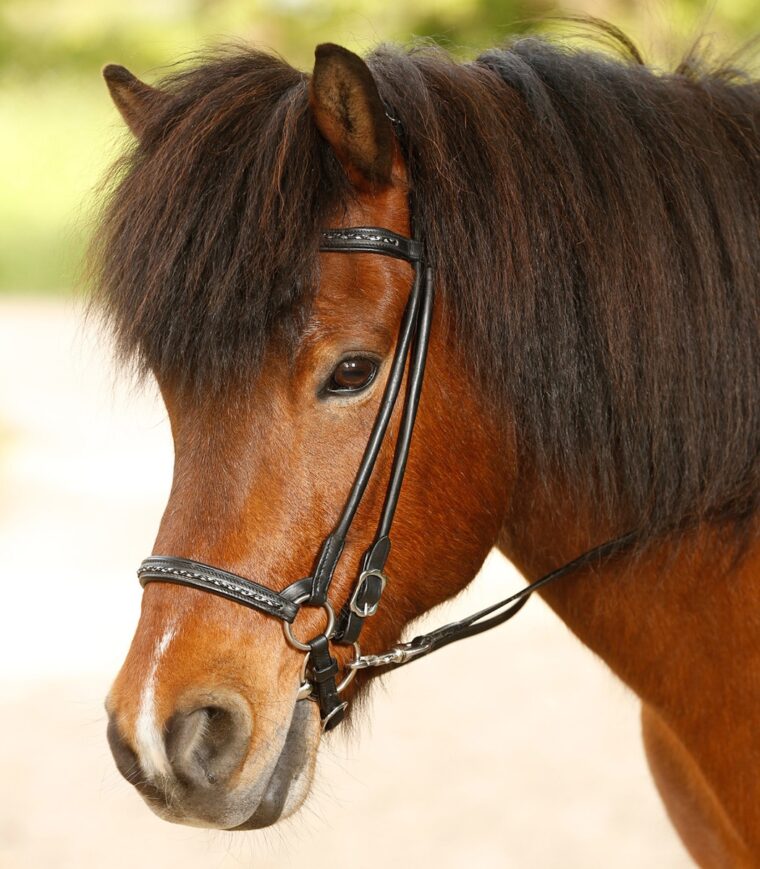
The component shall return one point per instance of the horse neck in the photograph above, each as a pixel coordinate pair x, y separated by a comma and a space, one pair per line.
677, 622
650, 612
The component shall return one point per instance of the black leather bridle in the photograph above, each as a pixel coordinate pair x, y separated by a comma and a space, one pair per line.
321, 680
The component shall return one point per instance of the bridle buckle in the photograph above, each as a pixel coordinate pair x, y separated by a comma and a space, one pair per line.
366, 597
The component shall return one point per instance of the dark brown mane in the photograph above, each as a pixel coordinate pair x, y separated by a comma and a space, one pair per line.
593, 226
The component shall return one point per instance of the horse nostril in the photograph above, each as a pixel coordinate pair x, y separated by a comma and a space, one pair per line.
207, 744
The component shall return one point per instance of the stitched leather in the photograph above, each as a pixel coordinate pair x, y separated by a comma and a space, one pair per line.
183, 571
371, 239
323, 671
328, 558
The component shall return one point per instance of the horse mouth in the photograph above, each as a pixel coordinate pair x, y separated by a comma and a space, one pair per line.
291, 778
281, 790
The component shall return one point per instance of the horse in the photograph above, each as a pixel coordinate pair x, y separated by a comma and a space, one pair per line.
589, 227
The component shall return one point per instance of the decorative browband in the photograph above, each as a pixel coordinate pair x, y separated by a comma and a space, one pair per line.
183, 571
370, 239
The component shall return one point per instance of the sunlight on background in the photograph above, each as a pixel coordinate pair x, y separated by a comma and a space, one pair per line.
85, 468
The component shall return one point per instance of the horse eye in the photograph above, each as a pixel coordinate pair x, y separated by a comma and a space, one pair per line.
352, 375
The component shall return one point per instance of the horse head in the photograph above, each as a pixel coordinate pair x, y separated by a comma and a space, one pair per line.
204, 716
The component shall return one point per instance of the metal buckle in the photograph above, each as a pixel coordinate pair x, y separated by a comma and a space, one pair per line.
366, 610
328, 631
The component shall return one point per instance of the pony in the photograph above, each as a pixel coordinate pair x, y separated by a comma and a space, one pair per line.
592, 371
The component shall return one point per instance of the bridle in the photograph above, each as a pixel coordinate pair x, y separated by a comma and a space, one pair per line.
322, 680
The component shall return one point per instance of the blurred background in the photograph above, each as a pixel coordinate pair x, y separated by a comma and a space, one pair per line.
59, 131
85, 463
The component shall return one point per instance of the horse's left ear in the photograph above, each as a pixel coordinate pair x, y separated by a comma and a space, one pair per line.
136, 101
349, 113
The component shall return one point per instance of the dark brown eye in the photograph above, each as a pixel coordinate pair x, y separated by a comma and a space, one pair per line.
352, 374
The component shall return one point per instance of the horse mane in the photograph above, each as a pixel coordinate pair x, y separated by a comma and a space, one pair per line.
593, 226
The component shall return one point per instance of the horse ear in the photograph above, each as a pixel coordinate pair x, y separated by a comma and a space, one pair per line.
349, 113
136, 101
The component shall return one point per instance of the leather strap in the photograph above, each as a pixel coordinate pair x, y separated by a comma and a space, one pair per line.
331, 551
498, 613
372, 580
183, 571
371, 239
323, 674
333, 545
365, 597
414, 390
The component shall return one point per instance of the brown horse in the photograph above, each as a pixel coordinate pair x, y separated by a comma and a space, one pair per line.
593, 370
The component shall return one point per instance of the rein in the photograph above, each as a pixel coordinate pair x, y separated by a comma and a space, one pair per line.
322, 680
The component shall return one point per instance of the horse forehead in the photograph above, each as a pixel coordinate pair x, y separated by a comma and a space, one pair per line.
366, 277
360, 295
360, 290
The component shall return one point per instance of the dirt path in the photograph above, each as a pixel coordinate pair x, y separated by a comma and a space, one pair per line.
84, 471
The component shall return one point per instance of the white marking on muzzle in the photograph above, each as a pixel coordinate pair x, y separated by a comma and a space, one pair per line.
148, 736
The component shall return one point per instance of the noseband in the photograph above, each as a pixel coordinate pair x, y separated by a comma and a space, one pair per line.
322, 680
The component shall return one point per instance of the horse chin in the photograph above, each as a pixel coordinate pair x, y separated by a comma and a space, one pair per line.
291, 778
251, 807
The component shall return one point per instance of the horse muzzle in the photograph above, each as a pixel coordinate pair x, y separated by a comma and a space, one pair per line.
205, 769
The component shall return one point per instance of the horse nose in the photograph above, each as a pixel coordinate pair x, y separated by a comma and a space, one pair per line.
200, 746
207, 744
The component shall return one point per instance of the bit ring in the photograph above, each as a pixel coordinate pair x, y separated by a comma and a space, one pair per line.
350, 671
305, 689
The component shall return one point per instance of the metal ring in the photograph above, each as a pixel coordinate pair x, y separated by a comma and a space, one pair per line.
328, 631
305, 688
350, 671
338, 709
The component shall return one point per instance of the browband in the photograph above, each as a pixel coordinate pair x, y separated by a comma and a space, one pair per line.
370, 239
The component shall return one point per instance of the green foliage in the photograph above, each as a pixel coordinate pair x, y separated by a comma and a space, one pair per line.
60, 131
55, 145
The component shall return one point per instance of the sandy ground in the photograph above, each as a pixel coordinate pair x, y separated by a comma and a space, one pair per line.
541, 767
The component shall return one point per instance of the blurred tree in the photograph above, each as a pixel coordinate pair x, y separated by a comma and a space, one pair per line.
59, 126
76, 36
469, 27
